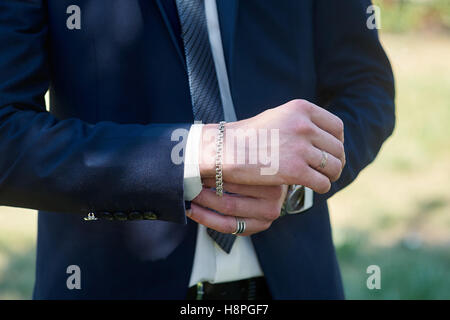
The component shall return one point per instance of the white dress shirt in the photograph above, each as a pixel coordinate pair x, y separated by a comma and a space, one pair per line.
211, 263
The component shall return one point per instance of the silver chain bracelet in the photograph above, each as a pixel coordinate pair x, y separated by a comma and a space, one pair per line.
219, 159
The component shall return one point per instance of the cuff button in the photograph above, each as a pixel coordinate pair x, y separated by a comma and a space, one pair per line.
105, 216
135, 216
150, 215
120, 216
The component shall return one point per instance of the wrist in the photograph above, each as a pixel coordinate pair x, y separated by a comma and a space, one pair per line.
207, 152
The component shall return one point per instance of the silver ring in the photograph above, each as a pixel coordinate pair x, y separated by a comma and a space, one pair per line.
240, 226
324, 160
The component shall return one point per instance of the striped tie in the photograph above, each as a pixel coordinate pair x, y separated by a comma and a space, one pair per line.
204, 88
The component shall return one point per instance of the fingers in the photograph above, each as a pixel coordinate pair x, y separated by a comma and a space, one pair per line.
333, 167
327, 142
315, 180
327, 122
237, 205
224, 224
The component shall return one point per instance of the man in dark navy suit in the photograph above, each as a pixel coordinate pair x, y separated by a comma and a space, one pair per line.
124, 181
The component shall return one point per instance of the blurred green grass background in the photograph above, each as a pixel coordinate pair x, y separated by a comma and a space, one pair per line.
396, 215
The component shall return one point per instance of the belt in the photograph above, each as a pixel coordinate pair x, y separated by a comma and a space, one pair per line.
247, 289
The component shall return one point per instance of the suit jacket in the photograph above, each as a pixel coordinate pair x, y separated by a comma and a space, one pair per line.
119, 88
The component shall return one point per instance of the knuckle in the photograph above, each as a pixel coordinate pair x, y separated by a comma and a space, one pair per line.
340, 125
230, 226
341, 149
302, 105
339, 171
327, 186
336, 174
272, 212
298, 102
334, 170
264, 226
267, 225
324, 187
305, 127
192, 213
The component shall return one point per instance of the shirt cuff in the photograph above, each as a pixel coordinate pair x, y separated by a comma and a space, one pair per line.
192, 180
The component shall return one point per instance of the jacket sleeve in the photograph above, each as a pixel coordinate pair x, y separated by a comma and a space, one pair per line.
355, 82
69, 165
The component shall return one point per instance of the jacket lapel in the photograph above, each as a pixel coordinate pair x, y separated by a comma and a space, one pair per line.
228, 12
172, 34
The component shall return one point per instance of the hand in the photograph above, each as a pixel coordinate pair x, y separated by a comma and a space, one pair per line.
258, 205
304, 130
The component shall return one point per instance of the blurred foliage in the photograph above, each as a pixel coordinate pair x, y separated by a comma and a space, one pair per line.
17, 252
397, 213
17, 276
414, 15
408, 271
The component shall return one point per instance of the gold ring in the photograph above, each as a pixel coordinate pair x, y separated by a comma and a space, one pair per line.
324, 160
